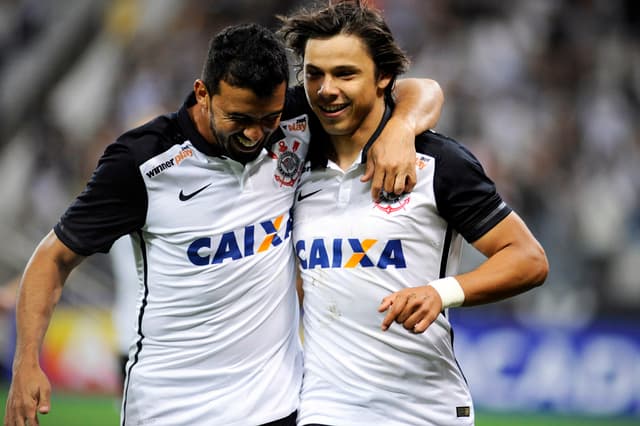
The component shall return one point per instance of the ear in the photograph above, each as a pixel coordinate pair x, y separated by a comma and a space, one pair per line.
202, 94
384, 81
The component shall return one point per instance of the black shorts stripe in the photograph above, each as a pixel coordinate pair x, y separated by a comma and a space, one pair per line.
290, 420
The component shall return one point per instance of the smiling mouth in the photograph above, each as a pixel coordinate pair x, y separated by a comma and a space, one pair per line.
332, 109
247, 143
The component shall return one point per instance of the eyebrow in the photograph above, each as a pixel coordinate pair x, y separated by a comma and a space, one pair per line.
335, 69
237, 115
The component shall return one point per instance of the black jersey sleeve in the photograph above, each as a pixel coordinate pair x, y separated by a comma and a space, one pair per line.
466, 197
113, 204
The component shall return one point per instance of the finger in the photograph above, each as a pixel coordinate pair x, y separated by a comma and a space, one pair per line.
418, 315
30, 412
399, 308
32, 418
369, 170
376, 185
384, 305
396, 308
409, 308
400, 183
18, 421
9, 418
44, 405
389, 182
388, 319
410, 181
25, 412
422, 325
399, 304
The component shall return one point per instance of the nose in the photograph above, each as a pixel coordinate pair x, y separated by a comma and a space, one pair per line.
327, 88
253, 133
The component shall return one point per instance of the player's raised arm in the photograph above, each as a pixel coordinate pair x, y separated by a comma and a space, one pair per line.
38, 295
391, 159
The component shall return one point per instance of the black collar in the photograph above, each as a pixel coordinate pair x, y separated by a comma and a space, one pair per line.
321, 148
190, 132
385, 117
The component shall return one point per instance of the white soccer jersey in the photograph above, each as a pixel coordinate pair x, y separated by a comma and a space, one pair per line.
354, 252
217, 338
125, 279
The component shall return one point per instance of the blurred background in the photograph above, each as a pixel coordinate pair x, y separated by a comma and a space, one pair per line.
545, 92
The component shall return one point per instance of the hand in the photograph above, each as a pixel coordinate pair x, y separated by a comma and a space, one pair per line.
29, 395
415, 308
391, 161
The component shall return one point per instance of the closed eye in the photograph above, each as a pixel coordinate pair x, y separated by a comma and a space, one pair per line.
269, 121
313, 74
345, 75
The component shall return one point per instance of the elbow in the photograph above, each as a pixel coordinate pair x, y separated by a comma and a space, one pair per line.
438, 92
538, 266
438, 100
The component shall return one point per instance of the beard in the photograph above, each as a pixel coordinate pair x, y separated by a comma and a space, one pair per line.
235, 145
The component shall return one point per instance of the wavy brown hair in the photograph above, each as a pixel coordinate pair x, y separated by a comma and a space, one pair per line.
350, 17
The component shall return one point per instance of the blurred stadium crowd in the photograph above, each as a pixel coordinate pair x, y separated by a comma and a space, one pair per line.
545, 92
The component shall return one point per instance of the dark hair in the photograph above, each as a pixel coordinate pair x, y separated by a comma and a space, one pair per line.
346, 17
248, 56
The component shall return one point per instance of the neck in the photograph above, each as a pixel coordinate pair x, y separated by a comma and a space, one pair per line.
348, 147
200, 120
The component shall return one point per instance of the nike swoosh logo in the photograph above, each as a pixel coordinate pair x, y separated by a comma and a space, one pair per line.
302, 197
185, 197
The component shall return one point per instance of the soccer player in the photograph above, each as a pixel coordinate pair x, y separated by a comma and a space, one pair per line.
205, 195
360, 258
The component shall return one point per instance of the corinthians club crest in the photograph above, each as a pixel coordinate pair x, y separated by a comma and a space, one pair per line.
390, 203
290, 152
289, 163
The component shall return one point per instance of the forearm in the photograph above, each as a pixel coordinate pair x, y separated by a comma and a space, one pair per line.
418, 103
515, 263
392, 158
509, 272
39, 292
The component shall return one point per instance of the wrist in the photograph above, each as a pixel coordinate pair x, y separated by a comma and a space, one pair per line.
450, 292
405, 120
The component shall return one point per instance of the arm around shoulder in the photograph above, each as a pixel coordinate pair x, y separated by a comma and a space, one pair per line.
419, 103
391, 160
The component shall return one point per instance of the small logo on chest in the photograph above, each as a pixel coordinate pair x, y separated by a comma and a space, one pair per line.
184, 197
289, 163
302, 197
390, 203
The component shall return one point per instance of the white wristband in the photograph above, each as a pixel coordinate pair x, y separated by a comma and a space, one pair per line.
450, 292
